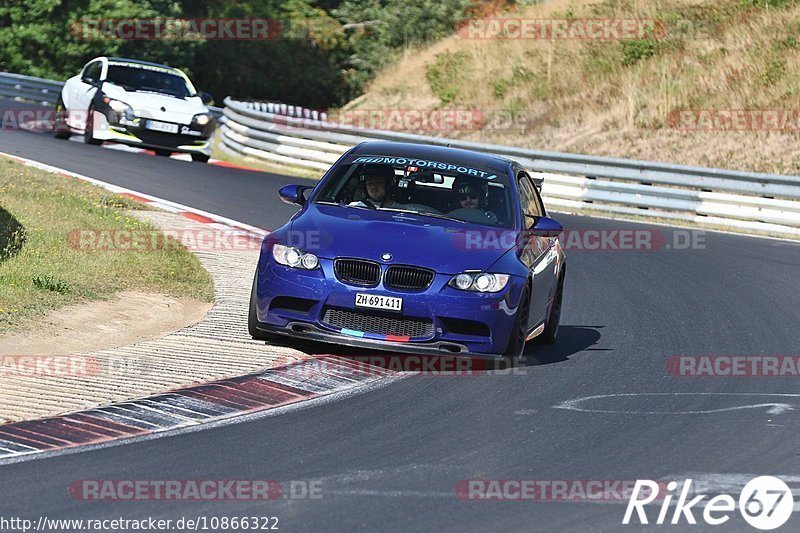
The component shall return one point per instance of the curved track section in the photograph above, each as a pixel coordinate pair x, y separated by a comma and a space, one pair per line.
602, 404
198, 185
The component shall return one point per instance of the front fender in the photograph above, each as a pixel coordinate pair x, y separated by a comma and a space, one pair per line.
68, 92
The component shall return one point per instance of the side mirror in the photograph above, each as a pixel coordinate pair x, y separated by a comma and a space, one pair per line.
546, 227
293, 194
207, 99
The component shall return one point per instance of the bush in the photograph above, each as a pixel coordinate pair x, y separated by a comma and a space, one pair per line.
445, 75
635, 50
47, 282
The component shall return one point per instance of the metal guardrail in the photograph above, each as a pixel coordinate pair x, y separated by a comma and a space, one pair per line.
746, 201
29, 88
42, 91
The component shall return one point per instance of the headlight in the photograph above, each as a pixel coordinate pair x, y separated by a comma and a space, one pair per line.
463, 281
201, 119
479, 281
292, 257
310, 261
119, 107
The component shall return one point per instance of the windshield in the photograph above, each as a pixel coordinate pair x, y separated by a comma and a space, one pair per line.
149, 79
462, 197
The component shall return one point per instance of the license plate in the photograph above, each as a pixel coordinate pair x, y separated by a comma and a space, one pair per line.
156, 125
375, 301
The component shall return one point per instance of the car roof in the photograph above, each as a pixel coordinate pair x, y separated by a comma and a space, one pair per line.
139, 62
432, 152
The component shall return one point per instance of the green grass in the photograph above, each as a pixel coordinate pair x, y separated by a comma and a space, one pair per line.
40, 272
444, 74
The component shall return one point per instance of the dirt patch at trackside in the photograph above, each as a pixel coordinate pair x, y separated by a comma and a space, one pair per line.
129, 317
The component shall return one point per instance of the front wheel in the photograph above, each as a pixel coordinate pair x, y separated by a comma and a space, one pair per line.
88, 133
200, 158
516, 344
60, 127
163, 153
252, 317
550, 333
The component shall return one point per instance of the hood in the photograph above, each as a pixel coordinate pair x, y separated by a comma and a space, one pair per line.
441, 245
150, 105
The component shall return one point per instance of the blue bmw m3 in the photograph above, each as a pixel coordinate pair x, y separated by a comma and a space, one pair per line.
413, 248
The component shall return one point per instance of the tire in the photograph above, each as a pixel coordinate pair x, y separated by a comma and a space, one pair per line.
252, 318
60, 127
163, 153
200, 158
550, 333
88, 133
516, 344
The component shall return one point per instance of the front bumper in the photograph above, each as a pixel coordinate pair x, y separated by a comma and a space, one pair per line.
312, 332
302, 304
133, 133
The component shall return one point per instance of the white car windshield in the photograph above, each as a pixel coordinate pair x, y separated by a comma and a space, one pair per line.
135, 78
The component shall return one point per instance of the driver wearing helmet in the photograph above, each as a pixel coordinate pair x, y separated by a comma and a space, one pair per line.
378, 183
472, 193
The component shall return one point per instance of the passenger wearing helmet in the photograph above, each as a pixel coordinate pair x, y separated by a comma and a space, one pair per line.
378, 183
469, 196
472, 195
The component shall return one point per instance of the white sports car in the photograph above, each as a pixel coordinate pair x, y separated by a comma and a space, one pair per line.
136, 103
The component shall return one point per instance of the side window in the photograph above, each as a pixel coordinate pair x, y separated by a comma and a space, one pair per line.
529, 199
93, 70
341, 187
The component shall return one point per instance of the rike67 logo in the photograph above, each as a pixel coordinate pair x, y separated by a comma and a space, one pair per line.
765, 503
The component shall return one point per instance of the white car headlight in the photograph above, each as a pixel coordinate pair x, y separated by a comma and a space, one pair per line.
292, 257
202, 119
120, 107
117, 106
480, 281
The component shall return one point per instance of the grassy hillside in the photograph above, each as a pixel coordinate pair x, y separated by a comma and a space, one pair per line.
615, 97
